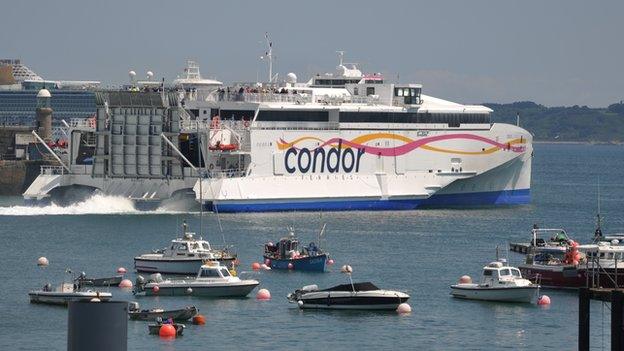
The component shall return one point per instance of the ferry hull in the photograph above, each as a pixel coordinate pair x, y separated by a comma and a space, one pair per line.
491, 198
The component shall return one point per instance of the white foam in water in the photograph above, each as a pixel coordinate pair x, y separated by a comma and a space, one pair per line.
96, 204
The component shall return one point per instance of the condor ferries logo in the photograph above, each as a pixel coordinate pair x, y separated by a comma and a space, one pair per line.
346, 155
318, 160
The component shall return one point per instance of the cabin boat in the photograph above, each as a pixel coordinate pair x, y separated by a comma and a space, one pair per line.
605, 263
212, 280
185, 255
498, 283
287, 254
65, 293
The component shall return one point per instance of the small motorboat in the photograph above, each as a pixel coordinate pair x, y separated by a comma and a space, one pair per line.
65, 293
286, 254
212, 280
83, 280
180, 315
352, 296
498, 283
185, 255
154, 329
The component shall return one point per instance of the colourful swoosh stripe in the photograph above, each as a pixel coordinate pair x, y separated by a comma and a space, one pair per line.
410, 144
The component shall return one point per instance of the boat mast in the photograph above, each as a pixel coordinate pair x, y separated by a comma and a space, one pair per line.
200, 177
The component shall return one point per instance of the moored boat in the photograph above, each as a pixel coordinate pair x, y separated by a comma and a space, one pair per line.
212, 280
499, 283
286, 254
185, 255
65, 293
352, 296
182, 314
83, 280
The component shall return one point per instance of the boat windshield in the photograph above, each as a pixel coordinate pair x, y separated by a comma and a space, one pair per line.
504, 272
225, 272
209, 273
516, 273
206, 246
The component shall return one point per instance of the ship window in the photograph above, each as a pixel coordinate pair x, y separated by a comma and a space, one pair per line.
210, 273
182, 247
355, 91
370, 91
487, 272
293, 116
398, 92
237, 115
225, 272
515, 272
206, 246
504, 272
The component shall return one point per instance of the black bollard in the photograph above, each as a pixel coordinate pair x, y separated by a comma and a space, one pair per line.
97, 326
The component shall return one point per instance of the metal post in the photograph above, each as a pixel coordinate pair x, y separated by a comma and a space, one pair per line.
617, 337
178, 152
583, 331
50, 150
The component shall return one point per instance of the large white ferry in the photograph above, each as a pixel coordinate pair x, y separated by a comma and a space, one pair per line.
341, 141
352, 141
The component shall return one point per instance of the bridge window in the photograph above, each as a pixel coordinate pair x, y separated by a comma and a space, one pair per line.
370, 91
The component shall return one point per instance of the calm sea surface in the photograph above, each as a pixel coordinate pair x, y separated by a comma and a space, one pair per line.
422, 252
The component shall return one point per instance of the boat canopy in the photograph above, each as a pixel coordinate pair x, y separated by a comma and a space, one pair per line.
366, 286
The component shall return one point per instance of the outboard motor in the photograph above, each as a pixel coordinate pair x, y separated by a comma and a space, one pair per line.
140, 282
133, 306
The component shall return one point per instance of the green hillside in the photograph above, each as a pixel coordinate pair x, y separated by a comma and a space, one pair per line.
575, 123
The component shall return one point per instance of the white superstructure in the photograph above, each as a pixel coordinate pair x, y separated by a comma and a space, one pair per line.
349, 140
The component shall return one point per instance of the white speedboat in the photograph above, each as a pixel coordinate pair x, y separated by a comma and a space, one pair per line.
185, 255
360, 296
65, 293
499, 283
212, 280
352, 296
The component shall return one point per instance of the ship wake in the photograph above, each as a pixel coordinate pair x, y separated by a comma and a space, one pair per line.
95, 204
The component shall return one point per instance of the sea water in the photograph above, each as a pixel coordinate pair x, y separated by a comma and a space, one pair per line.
421, 252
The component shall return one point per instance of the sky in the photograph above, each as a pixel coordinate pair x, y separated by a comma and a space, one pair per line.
555, 52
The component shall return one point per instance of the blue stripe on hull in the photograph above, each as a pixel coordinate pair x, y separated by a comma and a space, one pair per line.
309, 264
504, 197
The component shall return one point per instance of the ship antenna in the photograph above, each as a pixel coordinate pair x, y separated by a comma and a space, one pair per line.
340, 57
268, 55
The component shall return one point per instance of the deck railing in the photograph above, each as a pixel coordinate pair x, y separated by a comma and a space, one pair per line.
52, 170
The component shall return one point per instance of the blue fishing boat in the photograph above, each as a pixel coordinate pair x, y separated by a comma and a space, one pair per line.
287, 254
